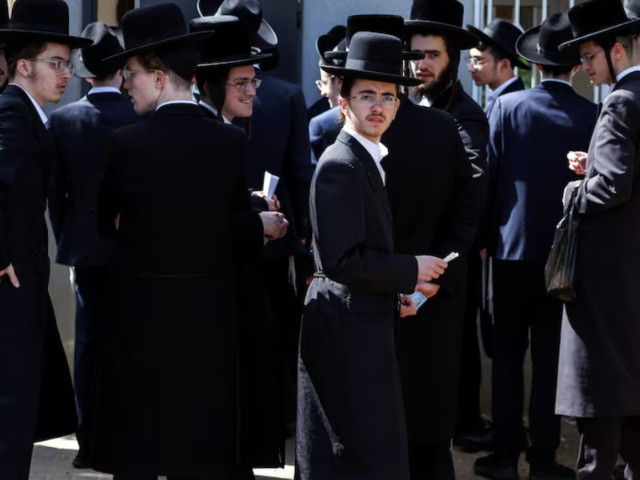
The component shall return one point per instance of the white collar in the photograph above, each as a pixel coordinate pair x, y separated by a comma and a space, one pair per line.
496, 93
377, 150
43, 117
214, 110
103, 90
173, 102
425, 102
556, 80
626, 72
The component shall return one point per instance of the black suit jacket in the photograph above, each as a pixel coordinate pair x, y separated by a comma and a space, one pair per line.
347, 352
514, 86
279, 143
80, 132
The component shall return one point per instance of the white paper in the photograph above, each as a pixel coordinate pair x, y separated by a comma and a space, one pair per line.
269, 184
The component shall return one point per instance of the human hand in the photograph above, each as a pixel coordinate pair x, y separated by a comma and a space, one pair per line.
274, 224
273, 202
430, 267
427, 289
116, 222
11, 274
407, 306
577, 162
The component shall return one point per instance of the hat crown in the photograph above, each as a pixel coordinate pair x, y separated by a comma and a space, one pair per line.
231, 38
387, 24
504, 33
42, 16
248, 11
146, 25
450, 12
633, 9
595, 15
105, 44
376, 53
4, 14
554, 30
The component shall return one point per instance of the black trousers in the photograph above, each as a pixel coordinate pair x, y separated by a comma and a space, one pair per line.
601, 440
433, 463
522, 311
468, 415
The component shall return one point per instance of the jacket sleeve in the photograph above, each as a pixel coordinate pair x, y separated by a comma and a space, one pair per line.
341, 234
612, 157
14, 123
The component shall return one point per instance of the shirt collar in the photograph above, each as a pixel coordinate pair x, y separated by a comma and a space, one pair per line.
214, 110
377, 150
103, 90
557, 80
496, 93
626, 72
41, 113
173, 102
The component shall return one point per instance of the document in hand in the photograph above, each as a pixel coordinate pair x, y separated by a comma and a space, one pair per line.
269, 184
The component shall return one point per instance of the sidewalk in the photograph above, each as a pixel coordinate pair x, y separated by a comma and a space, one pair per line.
52, 460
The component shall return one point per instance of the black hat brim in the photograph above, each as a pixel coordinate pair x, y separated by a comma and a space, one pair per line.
266, 37
487, 40
621, 28
380, 77
342, 56
168, 43
9, 35
326, 43
462, 39
527, 47
235, 61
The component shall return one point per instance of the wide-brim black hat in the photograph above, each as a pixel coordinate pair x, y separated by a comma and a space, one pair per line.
442, 18
89, 61
229, 46
249, 12
41, 21
539, 44
374, 56
158, 27
4, 15
379, 23
596, 18
329, 41
502, 36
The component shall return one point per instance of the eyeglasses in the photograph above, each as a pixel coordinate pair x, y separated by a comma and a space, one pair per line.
587, 58
323, 83
244, 86
474, 61
59, 65
127, 74
369, 100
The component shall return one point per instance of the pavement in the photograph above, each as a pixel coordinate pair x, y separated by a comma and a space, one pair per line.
52, 460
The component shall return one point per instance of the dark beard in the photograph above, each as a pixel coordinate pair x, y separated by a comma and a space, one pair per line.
434, 89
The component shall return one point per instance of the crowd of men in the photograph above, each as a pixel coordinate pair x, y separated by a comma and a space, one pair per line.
212, 314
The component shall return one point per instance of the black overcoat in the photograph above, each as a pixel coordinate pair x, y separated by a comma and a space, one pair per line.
434, 213
166, 389
599, 372
36, 396
350, 416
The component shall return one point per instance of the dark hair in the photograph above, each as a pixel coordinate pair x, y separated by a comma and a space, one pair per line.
212, 84
151, 61
15, 51
496, 53
556, 70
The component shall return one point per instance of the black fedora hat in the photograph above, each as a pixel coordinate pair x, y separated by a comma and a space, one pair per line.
596, 18
379, 23
230, 45
374, 56
88, 61
502, 36
539, 44
158, 27
4, 15
249, 12
42, 21
442, 18
330, 40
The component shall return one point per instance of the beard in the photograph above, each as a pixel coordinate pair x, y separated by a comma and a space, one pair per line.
437, 86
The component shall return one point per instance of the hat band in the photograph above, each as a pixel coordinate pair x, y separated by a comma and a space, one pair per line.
38, 28
154, 38
374, 67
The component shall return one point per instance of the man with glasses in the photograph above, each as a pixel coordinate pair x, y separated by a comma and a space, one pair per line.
599, 373
36, 396
492, 61
80, 132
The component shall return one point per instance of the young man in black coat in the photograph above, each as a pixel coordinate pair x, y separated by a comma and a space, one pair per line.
351, 421
80, 133
36, 397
